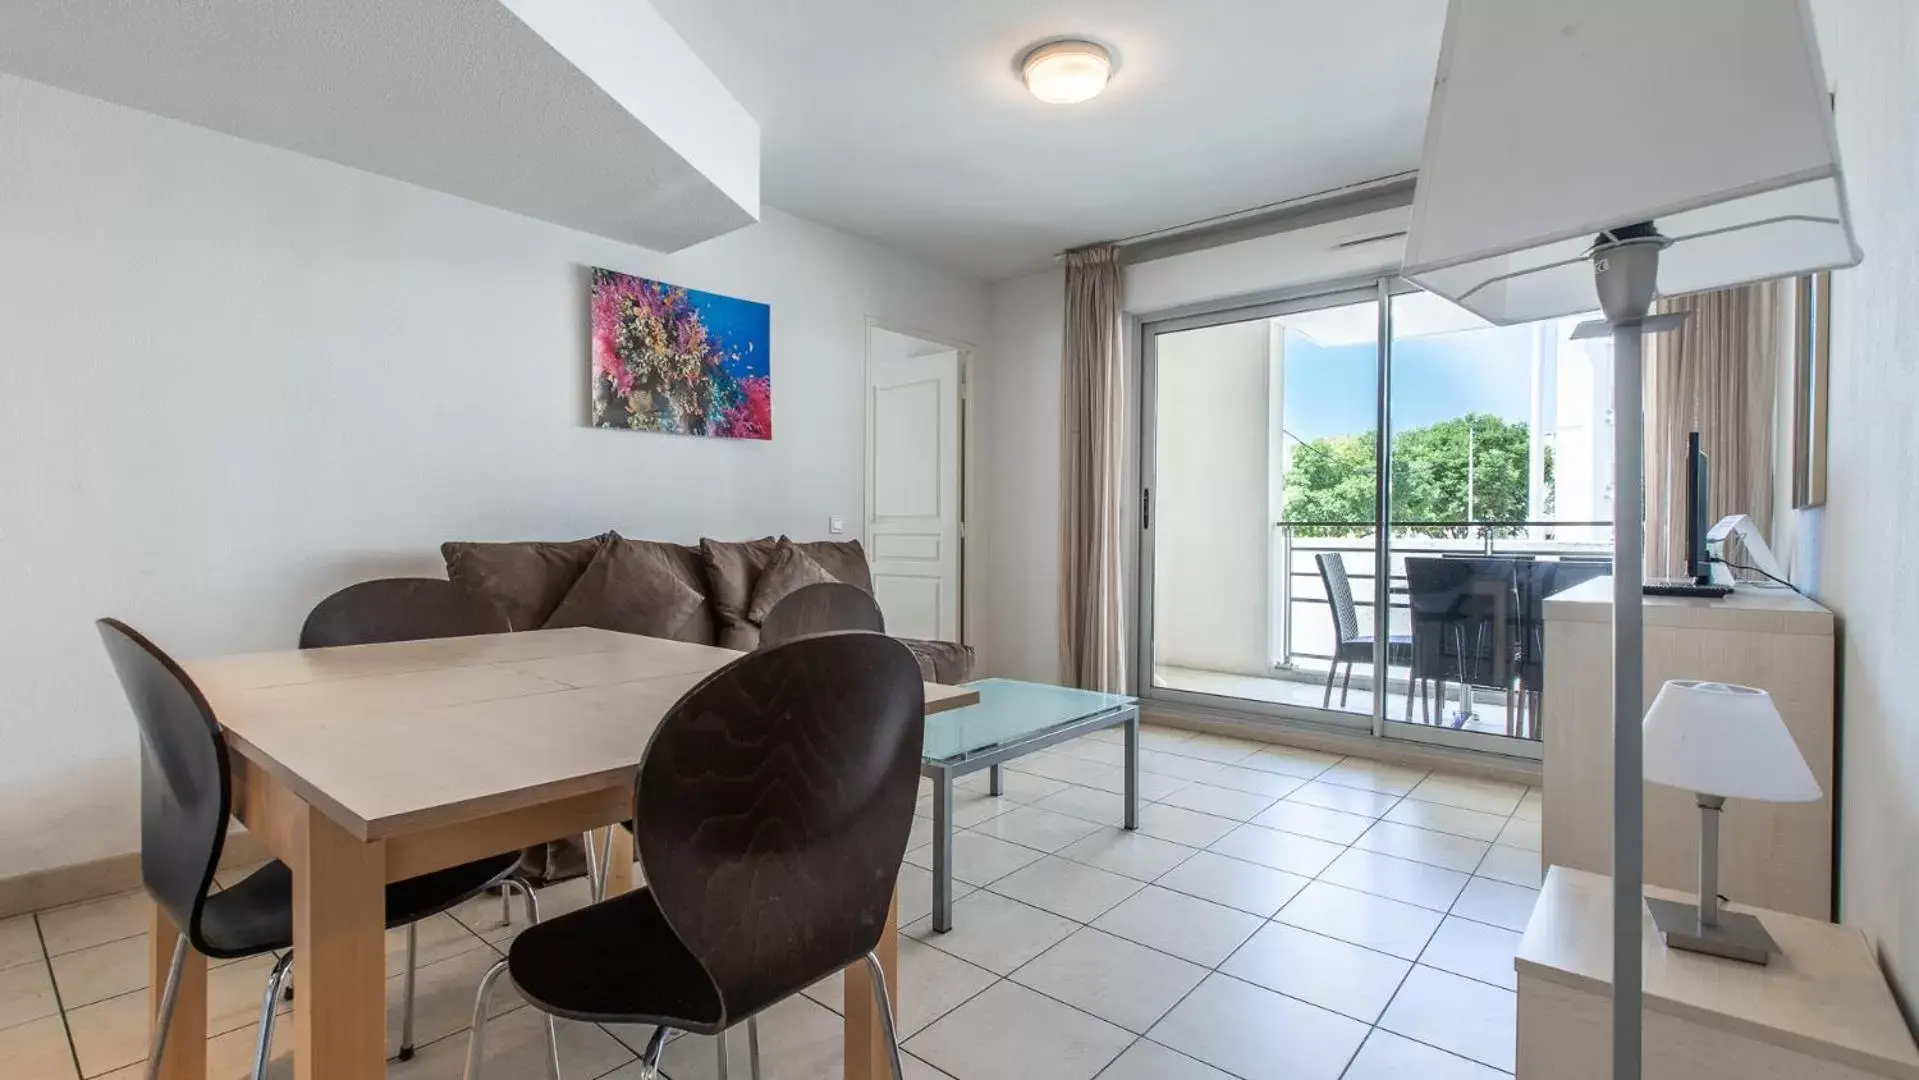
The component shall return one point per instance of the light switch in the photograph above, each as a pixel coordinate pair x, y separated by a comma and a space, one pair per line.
836, 526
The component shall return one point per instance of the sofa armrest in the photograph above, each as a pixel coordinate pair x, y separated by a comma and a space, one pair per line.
942, 661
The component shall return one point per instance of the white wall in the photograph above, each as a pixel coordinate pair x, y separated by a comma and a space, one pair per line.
233, 379
1017, 446
1862, 565
1212, 519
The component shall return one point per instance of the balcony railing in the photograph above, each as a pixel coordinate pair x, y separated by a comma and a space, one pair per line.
1302, 589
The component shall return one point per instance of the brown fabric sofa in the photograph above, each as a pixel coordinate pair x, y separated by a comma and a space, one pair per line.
713, 594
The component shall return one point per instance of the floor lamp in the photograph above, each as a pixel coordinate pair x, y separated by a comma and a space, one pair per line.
1584, 156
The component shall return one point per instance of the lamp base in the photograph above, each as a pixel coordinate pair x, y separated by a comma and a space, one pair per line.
1735, 937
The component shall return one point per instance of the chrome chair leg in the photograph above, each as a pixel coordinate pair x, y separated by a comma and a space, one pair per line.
753, 1047
506, 909
595, 883
721, 1049
263, 1048
650, 1061
606, 860
525, 889
476, 1042
168, 996
406, 1006
884, 1001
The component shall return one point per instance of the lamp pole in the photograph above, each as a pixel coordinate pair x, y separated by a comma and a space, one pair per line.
1626, 269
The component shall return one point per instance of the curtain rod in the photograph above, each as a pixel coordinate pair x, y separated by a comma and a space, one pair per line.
1299, 204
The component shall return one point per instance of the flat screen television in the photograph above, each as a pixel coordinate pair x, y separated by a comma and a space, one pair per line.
1698, 497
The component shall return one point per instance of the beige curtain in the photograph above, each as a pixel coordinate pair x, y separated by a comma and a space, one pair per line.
1092, 434
1717, 375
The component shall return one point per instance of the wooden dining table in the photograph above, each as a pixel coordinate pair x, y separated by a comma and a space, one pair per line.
367, 764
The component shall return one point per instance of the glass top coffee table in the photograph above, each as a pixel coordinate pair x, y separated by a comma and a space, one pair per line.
1012, 719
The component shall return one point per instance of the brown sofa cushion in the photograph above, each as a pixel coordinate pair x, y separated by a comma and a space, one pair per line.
634, 587
791, 569
732, 571
946, 662
844, 559
526, 580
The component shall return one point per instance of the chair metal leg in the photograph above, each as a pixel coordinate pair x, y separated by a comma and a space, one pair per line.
525, 889
720, 1049
406, 1004
593, 884
1326, 700
506, 909
168, 996
753, 1047
263, 1048
650, 1061
1345, 684
884, 1000
606, 858
476, 1042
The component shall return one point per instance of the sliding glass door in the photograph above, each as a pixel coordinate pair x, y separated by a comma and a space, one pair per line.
1501, 481
1273, 557
1240, 608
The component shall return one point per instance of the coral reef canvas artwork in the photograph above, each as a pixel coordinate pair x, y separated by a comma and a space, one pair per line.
679, 360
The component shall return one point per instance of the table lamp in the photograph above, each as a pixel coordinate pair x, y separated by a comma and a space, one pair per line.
1719, 741
1582, 156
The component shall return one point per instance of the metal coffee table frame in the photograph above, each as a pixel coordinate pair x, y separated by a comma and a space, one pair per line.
944, 773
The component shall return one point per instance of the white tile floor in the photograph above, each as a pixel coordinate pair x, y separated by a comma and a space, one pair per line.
1281, 914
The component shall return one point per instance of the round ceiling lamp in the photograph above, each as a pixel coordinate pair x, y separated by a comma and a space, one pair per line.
1066, 72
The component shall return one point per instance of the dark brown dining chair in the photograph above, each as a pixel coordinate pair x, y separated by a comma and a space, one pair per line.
405, 609
771, 814
397, 609
186, 803
816, 609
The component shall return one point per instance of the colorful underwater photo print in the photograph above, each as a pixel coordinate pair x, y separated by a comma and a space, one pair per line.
679, 360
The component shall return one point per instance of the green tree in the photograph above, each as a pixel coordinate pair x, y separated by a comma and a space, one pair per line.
1331, 480
1470, 468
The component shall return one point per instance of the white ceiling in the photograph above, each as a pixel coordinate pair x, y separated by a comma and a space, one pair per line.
904, 120
460, 96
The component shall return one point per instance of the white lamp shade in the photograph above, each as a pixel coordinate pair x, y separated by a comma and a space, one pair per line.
1721, 739
1555, 120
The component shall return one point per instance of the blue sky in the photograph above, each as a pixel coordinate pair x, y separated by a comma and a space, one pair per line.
1329, 391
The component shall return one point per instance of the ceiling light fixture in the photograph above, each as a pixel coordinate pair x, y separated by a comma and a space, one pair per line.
1066, 72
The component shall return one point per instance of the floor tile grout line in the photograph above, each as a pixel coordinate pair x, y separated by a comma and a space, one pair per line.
59, 1005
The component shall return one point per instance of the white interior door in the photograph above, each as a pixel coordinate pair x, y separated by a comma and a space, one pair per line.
913, 493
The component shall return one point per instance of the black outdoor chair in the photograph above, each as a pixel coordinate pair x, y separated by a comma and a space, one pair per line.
771, 813
1352, 646
185, 805
1465, 618
1546, 579
817, 609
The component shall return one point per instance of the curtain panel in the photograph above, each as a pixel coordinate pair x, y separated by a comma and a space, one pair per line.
1718, 375
1092, 607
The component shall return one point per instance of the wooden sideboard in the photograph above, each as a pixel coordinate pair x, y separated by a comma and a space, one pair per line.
1820, 1011
1772, 855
